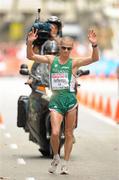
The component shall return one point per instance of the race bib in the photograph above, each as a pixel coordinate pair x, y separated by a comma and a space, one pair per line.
72, 84
59, 81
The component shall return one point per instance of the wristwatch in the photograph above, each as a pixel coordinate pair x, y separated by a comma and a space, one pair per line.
94, 45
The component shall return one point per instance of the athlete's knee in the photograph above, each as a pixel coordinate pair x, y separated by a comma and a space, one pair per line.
69, 133
55, 132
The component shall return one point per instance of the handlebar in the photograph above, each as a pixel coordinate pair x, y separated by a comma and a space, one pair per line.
82, 73
24, 71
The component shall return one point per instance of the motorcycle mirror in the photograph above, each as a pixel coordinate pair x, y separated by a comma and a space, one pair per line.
24, 69
23, 66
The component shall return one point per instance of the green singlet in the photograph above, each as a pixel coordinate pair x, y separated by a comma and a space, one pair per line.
63, 86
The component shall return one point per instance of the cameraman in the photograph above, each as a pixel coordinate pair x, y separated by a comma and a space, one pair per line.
49, 30
54, 34
38, 45
56, 29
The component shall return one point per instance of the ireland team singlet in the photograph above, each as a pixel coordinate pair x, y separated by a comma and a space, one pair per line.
61, 77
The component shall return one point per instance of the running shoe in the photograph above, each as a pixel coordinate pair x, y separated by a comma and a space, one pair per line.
54, 165
64, 170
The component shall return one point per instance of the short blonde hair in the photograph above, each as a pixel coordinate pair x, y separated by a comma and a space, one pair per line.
66, 39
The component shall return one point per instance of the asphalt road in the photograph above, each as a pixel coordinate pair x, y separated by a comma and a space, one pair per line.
95, 155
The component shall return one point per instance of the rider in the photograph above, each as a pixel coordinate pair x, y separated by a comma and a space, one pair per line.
63, 101
51, 47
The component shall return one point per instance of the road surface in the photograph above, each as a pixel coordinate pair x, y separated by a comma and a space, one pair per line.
95, 155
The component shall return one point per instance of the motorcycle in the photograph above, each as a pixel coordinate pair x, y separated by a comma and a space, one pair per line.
33, 114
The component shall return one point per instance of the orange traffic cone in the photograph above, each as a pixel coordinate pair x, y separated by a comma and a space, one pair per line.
78, 96
116, 116
107, 110
1, 119
85, 99
81, 98
100, 105
93, 102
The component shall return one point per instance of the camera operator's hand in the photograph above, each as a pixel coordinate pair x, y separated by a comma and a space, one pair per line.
32, 35
54, 30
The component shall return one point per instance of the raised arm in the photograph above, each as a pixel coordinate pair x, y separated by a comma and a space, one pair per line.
30, 53
95, 52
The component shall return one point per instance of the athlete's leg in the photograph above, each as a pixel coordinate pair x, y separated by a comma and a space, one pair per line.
69, 127
56, 120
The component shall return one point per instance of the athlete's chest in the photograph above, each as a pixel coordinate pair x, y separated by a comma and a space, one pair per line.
58, 68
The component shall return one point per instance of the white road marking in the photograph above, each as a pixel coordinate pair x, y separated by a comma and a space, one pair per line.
21, 161
7, 135
1, 177
13, 146
105, 119
30, 178
102, 117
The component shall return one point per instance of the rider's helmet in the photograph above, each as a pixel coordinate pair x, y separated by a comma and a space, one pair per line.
57, 21
51, 47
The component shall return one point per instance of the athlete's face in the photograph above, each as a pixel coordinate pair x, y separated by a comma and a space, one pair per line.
66, 46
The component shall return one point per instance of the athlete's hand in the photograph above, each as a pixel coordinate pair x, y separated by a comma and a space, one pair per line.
92, 37
32, 35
